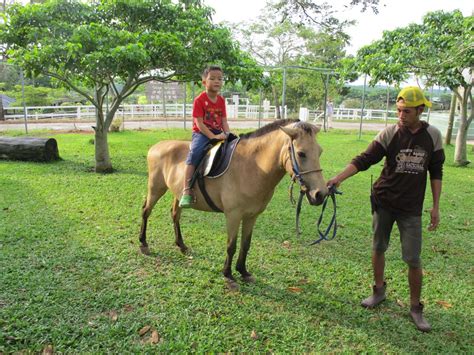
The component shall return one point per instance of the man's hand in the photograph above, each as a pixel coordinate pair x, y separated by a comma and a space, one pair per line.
339, 178
434, 212
334, 181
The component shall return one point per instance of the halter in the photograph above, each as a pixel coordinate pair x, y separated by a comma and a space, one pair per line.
297, 175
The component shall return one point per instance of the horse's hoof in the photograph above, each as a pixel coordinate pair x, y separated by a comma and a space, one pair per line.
183, 248
232, 285
248, 279
145, 250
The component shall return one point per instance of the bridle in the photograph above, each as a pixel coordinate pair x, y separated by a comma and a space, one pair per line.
297, 175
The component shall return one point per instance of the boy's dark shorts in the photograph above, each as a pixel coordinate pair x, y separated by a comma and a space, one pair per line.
197, 149
410, 234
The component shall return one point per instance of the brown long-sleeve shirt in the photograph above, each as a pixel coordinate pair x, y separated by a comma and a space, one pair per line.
402, 183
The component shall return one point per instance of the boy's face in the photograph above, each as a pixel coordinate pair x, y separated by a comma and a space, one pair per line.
213, 81
408, 116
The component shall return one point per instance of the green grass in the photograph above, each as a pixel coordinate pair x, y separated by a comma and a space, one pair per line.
72, 277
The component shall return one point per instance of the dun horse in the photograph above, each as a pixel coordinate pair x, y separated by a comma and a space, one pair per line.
259, 162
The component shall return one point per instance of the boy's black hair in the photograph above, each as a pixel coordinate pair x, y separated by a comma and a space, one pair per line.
209, 68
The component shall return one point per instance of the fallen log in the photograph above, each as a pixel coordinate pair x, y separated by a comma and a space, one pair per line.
29, 148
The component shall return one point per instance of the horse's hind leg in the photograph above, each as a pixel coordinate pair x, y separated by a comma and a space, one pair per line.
150, 202
176, 215
247, 229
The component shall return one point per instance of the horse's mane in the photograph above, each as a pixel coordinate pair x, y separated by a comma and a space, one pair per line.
268, 128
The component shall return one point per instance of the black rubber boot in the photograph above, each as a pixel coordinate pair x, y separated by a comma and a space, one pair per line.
378, 295
416, 313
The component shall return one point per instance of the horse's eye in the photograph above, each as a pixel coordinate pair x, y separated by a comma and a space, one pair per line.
302, 154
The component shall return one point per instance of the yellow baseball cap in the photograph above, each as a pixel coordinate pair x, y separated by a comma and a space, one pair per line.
413, 97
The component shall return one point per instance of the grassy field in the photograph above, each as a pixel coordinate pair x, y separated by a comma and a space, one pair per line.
72, 278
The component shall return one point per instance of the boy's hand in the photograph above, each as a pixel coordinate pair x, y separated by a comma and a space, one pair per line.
221, 136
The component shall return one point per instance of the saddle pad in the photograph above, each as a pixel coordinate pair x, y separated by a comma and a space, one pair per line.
219, 157
210, 158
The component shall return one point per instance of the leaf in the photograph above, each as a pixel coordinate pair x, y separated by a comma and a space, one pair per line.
128, 308
294, 289
48, 349
254, 335
144, 330
155, 337
441, 251
400, 303
112, 315
444, 304
303, 282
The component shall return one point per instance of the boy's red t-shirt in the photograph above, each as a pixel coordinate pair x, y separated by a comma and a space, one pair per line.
211, 112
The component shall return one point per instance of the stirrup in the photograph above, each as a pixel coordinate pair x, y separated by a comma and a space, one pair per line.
186, 201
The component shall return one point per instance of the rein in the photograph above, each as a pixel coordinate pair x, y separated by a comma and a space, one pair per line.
297, 175
333, 191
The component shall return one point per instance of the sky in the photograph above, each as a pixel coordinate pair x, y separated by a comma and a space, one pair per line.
395, 13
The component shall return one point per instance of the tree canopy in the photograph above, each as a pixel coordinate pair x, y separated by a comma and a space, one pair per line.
321, 13
297, 47
114, 46
439, 51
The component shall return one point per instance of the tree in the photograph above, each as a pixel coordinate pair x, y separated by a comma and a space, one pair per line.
440, 51
320, 13
272, 44
276, 44
114, 46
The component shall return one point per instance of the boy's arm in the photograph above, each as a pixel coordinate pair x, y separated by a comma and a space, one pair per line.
206, 131
225, 125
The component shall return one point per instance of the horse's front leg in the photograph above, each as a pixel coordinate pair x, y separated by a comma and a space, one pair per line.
247, 229
176, 215
233, 223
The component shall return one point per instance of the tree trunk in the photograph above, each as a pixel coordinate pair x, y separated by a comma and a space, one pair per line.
460, 152
2, 111
103, 163
452, 111
275, 100
29, 149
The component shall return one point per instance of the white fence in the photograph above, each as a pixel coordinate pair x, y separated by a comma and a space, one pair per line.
131, 112
248, 112
244, 112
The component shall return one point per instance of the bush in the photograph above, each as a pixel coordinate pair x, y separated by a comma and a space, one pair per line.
116, 125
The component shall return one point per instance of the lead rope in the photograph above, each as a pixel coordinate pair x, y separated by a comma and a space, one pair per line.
333, 191
297, 175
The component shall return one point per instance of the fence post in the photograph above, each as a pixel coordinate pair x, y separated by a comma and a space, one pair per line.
25, 110
184, 105
363, 106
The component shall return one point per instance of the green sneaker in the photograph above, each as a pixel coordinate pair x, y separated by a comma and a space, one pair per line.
186, 201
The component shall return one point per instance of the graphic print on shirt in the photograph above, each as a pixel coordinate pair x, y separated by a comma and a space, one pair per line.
212, 116
411, 161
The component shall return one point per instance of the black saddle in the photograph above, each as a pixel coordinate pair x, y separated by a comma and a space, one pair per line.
219, 164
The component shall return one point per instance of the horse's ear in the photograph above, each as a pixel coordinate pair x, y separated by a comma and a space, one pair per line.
292, 132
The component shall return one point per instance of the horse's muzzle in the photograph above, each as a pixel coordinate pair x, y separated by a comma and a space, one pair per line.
316, 197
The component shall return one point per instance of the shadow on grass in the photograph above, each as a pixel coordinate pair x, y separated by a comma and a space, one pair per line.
54, 275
